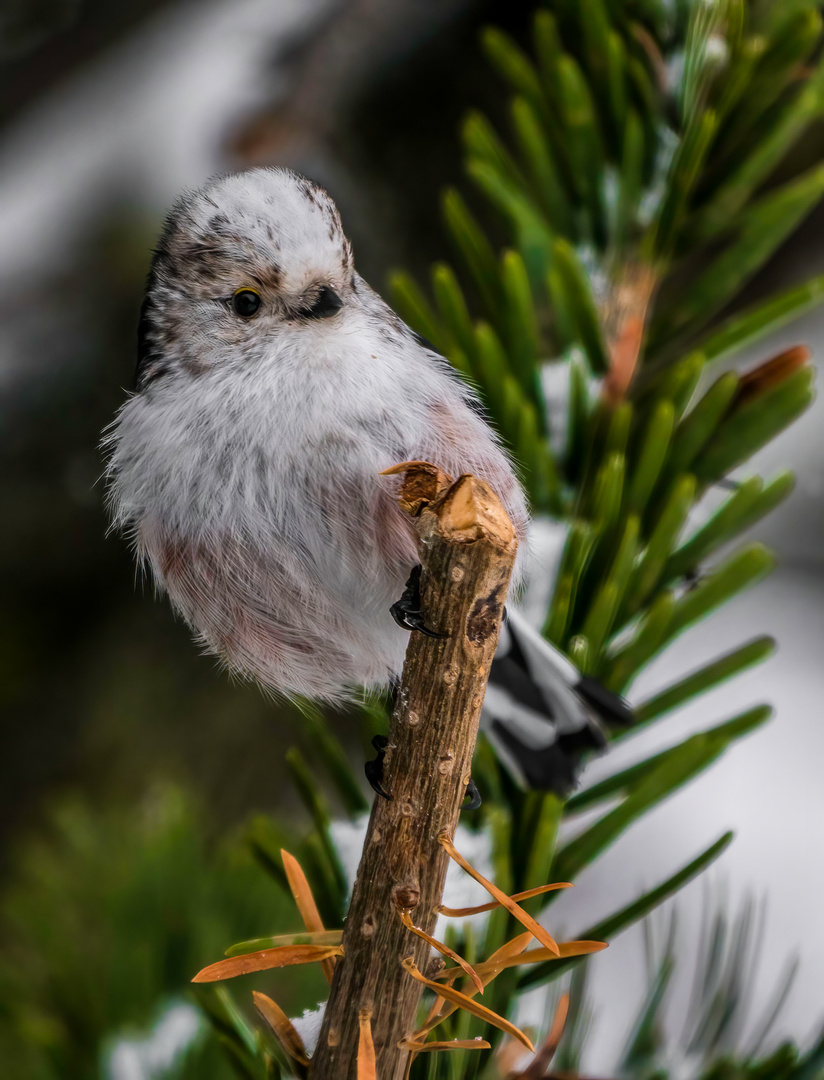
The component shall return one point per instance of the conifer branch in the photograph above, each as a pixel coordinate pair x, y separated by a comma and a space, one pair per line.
467, 547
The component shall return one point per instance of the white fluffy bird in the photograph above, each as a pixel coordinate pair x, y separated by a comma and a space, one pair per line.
273, 387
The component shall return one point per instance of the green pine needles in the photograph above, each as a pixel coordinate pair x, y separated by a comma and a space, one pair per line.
641, 179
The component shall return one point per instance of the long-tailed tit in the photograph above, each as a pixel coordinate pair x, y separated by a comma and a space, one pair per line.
273, 387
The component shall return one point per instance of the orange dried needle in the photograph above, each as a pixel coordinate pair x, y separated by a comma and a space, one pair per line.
514, 909
505, 956
451, 1044
444, 950
464, 912
302, 937
305, 901
282, 1026
266, 959
488, 970
367, 1066
464, 1002
536, 1070
566, 949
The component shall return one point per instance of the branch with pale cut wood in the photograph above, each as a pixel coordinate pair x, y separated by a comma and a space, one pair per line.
467, 550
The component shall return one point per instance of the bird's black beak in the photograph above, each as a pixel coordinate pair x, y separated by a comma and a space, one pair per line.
326, 304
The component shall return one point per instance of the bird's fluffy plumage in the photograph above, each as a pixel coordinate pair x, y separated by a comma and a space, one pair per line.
246, 466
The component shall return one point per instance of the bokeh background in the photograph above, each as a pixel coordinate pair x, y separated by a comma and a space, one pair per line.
107, 111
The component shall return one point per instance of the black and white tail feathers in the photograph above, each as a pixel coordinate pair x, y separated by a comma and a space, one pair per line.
540, 713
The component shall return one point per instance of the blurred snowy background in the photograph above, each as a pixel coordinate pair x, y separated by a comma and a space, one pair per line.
106, 113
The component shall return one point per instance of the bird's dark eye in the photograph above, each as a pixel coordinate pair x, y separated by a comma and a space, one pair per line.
245, 302
326, 303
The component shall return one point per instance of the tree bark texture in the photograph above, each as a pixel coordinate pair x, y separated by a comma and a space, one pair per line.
467, 548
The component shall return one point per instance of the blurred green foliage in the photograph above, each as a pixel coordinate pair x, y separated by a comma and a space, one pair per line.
715, 1036
106, 919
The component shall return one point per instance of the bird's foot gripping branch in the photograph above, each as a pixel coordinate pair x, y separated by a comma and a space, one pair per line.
381, 962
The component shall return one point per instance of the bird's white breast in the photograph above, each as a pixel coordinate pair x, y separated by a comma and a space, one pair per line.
261, 474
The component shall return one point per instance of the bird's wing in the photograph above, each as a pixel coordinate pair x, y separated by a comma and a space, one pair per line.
541, 714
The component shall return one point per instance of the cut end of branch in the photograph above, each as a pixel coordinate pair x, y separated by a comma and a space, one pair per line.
470, 510
466, 510
422, 483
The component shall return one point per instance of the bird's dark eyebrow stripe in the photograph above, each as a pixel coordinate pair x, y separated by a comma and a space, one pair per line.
149, 358
146, 351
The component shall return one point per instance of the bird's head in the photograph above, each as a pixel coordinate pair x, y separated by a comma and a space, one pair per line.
239, 261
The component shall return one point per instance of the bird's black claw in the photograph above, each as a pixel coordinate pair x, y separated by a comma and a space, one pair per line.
374, 769
407, 611
411, 620
474, 796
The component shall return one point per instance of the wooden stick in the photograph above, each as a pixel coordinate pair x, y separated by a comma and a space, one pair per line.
467, 549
